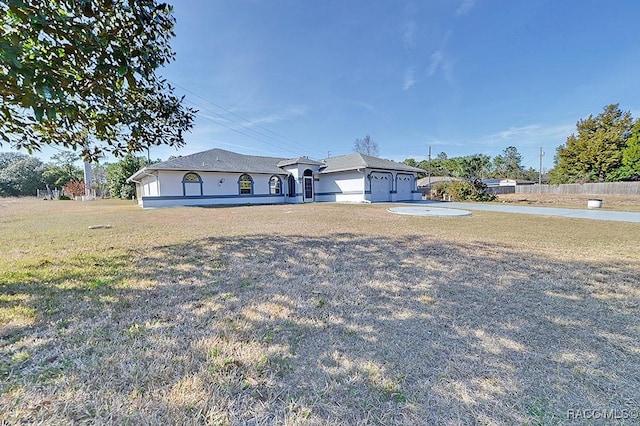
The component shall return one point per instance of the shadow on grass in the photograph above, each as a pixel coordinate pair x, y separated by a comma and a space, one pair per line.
337, 329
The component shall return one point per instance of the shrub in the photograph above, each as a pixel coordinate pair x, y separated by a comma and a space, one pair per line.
438, 189
462, 191
63, 197
74, 188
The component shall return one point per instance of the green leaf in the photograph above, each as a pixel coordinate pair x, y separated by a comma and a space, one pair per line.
51, 112
26, 100
122, 70
38, 111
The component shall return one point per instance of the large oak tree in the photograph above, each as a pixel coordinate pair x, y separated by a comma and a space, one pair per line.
72, 68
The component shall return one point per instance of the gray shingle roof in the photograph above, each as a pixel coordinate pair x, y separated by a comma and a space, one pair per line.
434, 179
219, 160
299, 160
361, 161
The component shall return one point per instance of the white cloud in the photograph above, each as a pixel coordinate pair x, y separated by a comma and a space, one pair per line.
440, 61
436, 60
364, 105
516, 132
465, 7
447, 69
409, 34
533, 134
286, 114
409, 78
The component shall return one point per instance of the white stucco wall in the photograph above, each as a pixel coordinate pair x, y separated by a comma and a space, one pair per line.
217, 189
345, 186
351, 198
167, 189
149, 185
213, 183
342, 182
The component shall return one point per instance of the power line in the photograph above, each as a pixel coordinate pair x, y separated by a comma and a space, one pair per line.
249, 126
237, 115
234, 129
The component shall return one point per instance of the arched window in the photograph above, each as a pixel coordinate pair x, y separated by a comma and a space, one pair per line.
275, 185
191, 184
191, 177
245, 185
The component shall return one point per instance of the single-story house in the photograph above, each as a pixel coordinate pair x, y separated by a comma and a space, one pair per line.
220, 177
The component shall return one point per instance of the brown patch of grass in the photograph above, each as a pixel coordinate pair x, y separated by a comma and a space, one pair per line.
312, 314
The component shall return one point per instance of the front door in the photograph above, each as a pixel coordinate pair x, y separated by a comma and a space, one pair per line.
308, 189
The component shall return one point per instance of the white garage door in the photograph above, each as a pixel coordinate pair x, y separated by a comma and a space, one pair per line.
380, 186
405, 186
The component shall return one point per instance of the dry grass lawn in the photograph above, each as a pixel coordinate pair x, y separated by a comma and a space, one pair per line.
313, 314
629, 203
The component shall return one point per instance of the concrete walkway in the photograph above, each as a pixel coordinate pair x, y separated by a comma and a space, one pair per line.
595, 214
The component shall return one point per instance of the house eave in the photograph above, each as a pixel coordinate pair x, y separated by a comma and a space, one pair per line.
222, 170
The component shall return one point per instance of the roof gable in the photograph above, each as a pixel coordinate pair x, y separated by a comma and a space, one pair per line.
299, 160
361, 161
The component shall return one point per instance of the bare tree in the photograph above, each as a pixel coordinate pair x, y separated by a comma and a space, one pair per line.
366, 146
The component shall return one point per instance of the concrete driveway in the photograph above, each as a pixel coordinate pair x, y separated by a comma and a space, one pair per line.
595, 214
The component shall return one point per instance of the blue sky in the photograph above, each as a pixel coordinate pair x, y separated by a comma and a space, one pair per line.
307, 77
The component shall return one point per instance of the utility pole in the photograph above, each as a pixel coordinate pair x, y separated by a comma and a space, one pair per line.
429, 180
540, 171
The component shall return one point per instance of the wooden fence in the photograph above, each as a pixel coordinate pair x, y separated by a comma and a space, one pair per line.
497, 190
606, 188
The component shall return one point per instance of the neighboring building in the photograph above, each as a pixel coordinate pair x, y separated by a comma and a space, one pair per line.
505, 186
427, 182
507, 182
516, 182
219, 177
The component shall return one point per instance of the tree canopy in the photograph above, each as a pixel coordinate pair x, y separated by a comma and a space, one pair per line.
366, 146
69, 69
20, 174
631, 155
117, 174
595, 152
509, 164
473, 168
62, 170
